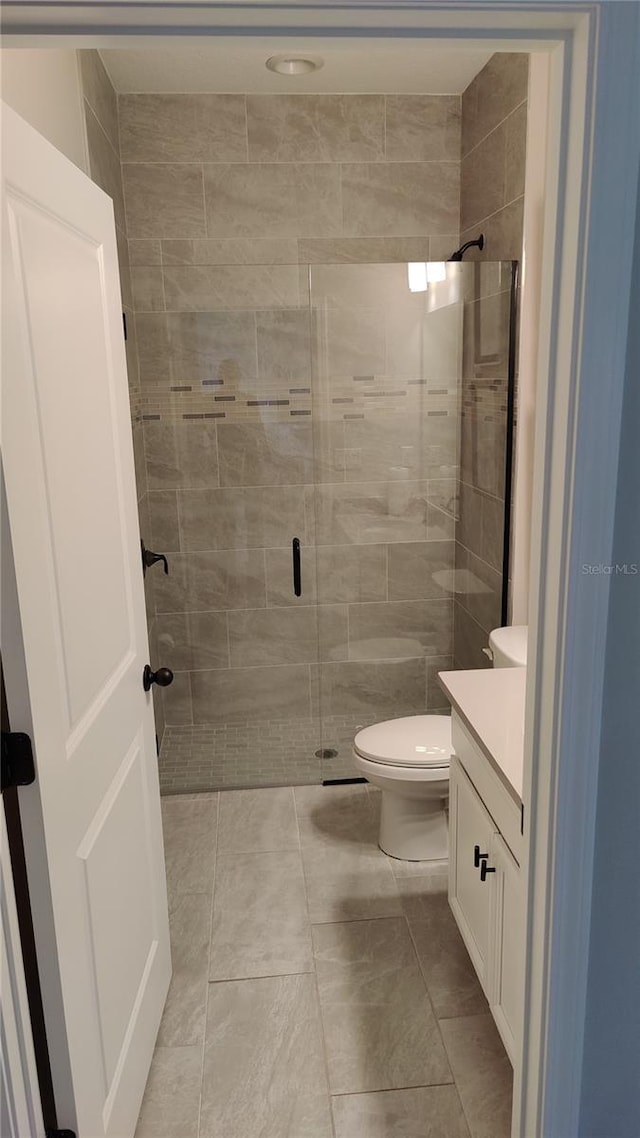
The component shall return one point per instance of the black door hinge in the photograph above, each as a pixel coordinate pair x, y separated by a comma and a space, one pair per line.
18, 768
522, 819
124, 324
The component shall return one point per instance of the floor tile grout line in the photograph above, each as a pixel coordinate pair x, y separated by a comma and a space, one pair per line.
431, 1005
206, 998
323, 1041
392, 1090
266, 976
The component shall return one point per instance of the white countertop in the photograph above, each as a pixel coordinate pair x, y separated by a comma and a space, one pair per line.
490, 703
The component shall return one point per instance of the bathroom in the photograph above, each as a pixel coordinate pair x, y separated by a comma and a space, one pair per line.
289, 384
329, 340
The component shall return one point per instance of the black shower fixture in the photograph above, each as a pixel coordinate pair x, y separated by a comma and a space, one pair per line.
459, 253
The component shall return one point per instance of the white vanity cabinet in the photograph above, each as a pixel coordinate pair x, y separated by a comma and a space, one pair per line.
485, 891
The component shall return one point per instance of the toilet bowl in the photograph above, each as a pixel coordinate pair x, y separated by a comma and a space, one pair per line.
408, 759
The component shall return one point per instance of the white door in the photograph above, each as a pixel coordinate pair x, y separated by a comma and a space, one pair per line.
508, 951
20, 1112
68, 467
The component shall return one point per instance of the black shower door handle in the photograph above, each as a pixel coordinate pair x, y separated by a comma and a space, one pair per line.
297, 575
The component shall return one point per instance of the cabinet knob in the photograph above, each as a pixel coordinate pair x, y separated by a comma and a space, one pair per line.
477, 857
485, 869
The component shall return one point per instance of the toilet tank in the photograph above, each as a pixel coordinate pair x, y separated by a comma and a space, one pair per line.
508, 646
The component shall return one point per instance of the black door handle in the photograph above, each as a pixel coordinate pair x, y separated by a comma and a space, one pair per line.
485, 869
297, 575
163, 677
150, 558
477, 856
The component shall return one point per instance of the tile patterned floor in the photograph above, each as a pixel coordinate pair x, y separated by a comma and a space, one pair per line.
275, 753
320, 989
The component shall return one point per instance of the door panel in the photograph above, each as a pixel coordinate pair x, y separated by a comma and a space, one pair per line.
68, 464
508, 950
469, 896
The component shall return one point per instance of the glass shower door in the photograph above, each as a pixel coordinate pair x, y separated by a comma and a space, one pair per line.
231, 460
386, 370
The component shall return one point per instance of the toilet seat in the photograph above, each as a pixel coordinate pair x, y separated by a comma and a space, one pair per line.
416, 742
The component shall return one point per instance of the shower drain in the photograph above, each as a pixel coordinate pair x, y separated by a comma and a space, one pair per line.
326, 753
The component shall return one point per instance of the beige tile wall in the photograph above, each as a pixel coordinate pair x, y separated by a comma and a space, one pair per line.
494, 119
260, 424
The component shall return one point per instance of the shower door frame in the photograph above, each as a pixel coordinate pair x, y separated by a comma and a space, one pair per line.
591, 192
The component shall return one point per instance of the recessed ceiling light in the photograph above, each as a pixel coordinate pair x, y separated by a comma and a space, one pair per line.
293, 65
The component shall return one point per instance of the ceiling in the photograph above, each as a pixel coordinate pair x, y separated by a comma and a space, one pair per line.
350, 65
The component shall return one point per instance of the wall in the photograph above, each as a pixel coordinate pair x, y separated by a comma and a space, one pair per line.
100, 109
225, 196
610, 1099
43, 86
494, 123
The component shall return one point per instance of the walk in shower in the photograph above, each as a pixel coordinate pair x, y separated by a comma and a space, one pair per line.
326, 455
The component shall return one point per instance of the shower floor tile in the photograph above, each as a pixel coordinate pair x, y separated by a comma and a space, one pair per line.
274, 753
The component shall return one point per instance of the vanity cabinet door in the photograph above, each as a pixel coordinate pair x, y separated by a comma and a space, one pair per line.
507, 948
470, 897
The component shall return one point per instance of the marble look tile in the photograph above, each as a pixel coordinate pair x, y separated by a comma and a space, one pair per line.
441, 336
284, 347
338, 829
264, 1074
436, 699
351, 573
146, 251
419, 570
348, 342
190, 826
349, 895
400, 629
148, 289
273, 636
286, 200
243, 695
183, 1019
469, 527
193, 347
257, 821
163, 200
482, 596
483, 175
104, 165
181, 454
124, 269
421, 1112
423, 128
183, 128
231, 251
396, 446
373, 689
418, 891
356, 250
496, 91
379, 1029
450, 977
100, 95
492, 531
371, 512
502, 232
469, 639
260, 925
265, 454
171, 1103
379, 288
333, 632
515, 153
200, 288
240, 518
203, 582
279, 570
401, 198
176, 699
163, 519
315, 128
482, 1072
193, 640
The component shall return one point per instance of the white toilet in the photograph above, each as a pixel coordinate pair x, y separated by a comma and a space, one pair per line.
408, 759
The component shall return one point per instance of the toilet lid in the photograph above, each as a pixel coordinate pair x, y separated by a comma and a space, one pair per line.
414, 741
